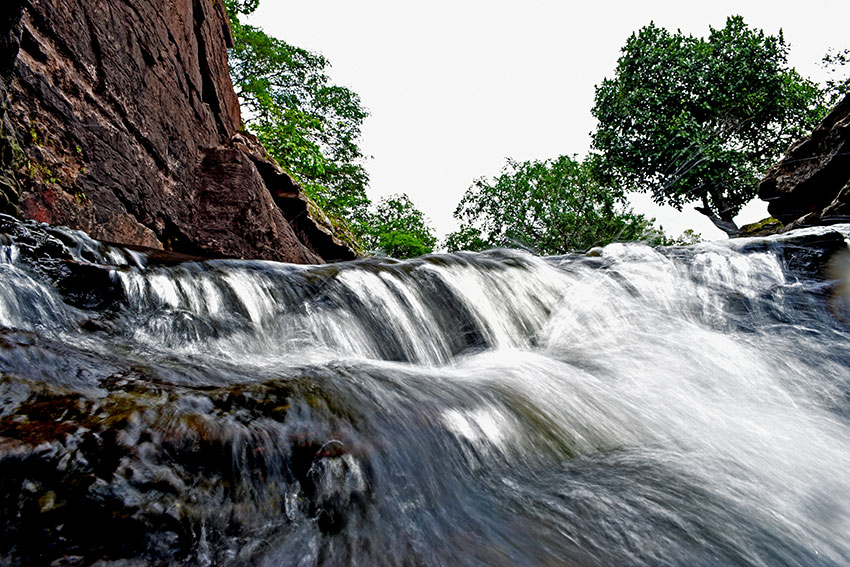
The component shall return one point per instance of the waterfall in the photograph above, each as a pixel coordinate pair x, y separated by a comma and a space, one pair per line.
668, 406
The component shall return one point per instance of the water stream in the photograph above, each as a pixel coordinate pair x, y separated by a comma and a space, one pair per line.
671, 406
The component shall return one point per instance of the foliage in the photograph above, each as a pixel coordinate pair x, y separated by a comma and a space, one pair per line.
235, 7
398, 229
656, 237
688, 238
836, 87
308, 125
692, 119
312, 129
550, 207
466, 238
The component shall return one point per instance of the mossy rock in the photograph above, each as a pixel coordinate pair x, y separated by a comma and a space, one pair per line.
764, 227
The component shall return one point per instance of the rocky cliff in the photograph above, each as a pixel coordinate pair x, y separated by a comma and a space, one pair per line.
811, 185
118, 117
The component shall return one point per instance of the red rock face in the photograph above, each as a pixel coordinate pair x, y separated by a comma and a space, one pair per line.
811, 185
129, 127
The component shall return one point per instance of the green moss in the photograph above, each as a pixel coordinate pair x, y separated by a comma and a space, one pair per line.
764, 227
38, 136
40, 172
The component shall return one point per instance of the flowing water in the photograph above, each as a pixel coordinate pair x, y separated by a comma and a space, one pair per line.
671, 406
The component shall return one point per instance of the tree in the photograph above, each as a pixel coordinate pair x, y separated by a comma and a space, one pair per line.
467, 238
398, 229
312, 129
551, 207
700, 120
308, 125
235, 7
836, 87
657, 237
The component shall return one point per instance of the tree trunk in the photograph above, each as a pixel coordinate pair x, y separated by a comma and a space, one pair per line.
724, 222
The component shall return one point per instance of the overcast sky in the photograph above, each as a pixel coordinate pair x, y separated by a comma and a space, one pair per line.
455, 87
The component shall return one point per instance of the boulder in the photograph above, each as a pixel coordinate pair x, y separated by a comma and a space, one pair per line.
127, 126
811, 184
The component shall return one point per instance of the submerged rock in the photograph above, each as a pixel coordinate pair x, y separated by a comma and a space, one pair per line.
160, 472
806, 254
337, 484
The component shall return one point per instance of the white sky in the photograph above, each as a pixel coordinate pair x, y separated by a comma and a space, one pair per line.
455, 87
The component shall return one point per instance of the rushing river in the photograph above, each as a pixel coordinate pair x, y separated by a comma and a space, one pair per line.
672, 406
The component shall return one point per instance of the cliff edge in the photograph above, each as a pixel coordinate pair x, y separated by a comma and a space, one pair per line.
118, 117
811, 184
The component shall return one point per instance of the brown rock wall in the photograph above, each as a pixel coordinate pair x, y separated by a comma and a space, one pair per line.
811, 185
130, 129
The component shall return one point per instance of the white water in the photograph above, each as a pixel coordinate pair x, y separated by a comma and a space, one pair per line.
649, 407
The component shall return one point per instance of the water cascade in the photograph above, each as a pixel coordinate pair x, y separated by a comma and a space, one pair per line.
670, 406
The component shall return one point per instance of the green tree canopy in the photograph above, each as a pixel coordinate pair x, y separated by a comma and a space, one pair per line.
550, 207
312, 129
467, 238
398, 229
310, 126
701, 119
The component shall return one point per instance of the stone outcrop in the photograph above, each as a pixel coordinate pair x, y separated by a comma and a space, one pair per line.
11, 157
811, 185
120, 119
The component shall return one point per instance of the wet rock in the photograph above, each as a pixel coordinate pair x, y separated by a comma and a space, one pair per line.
76, 268
806, 255
337, 486
158, 471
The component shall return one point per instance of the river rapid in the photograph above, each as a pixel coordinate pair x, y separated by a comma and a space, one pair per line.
681, 406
